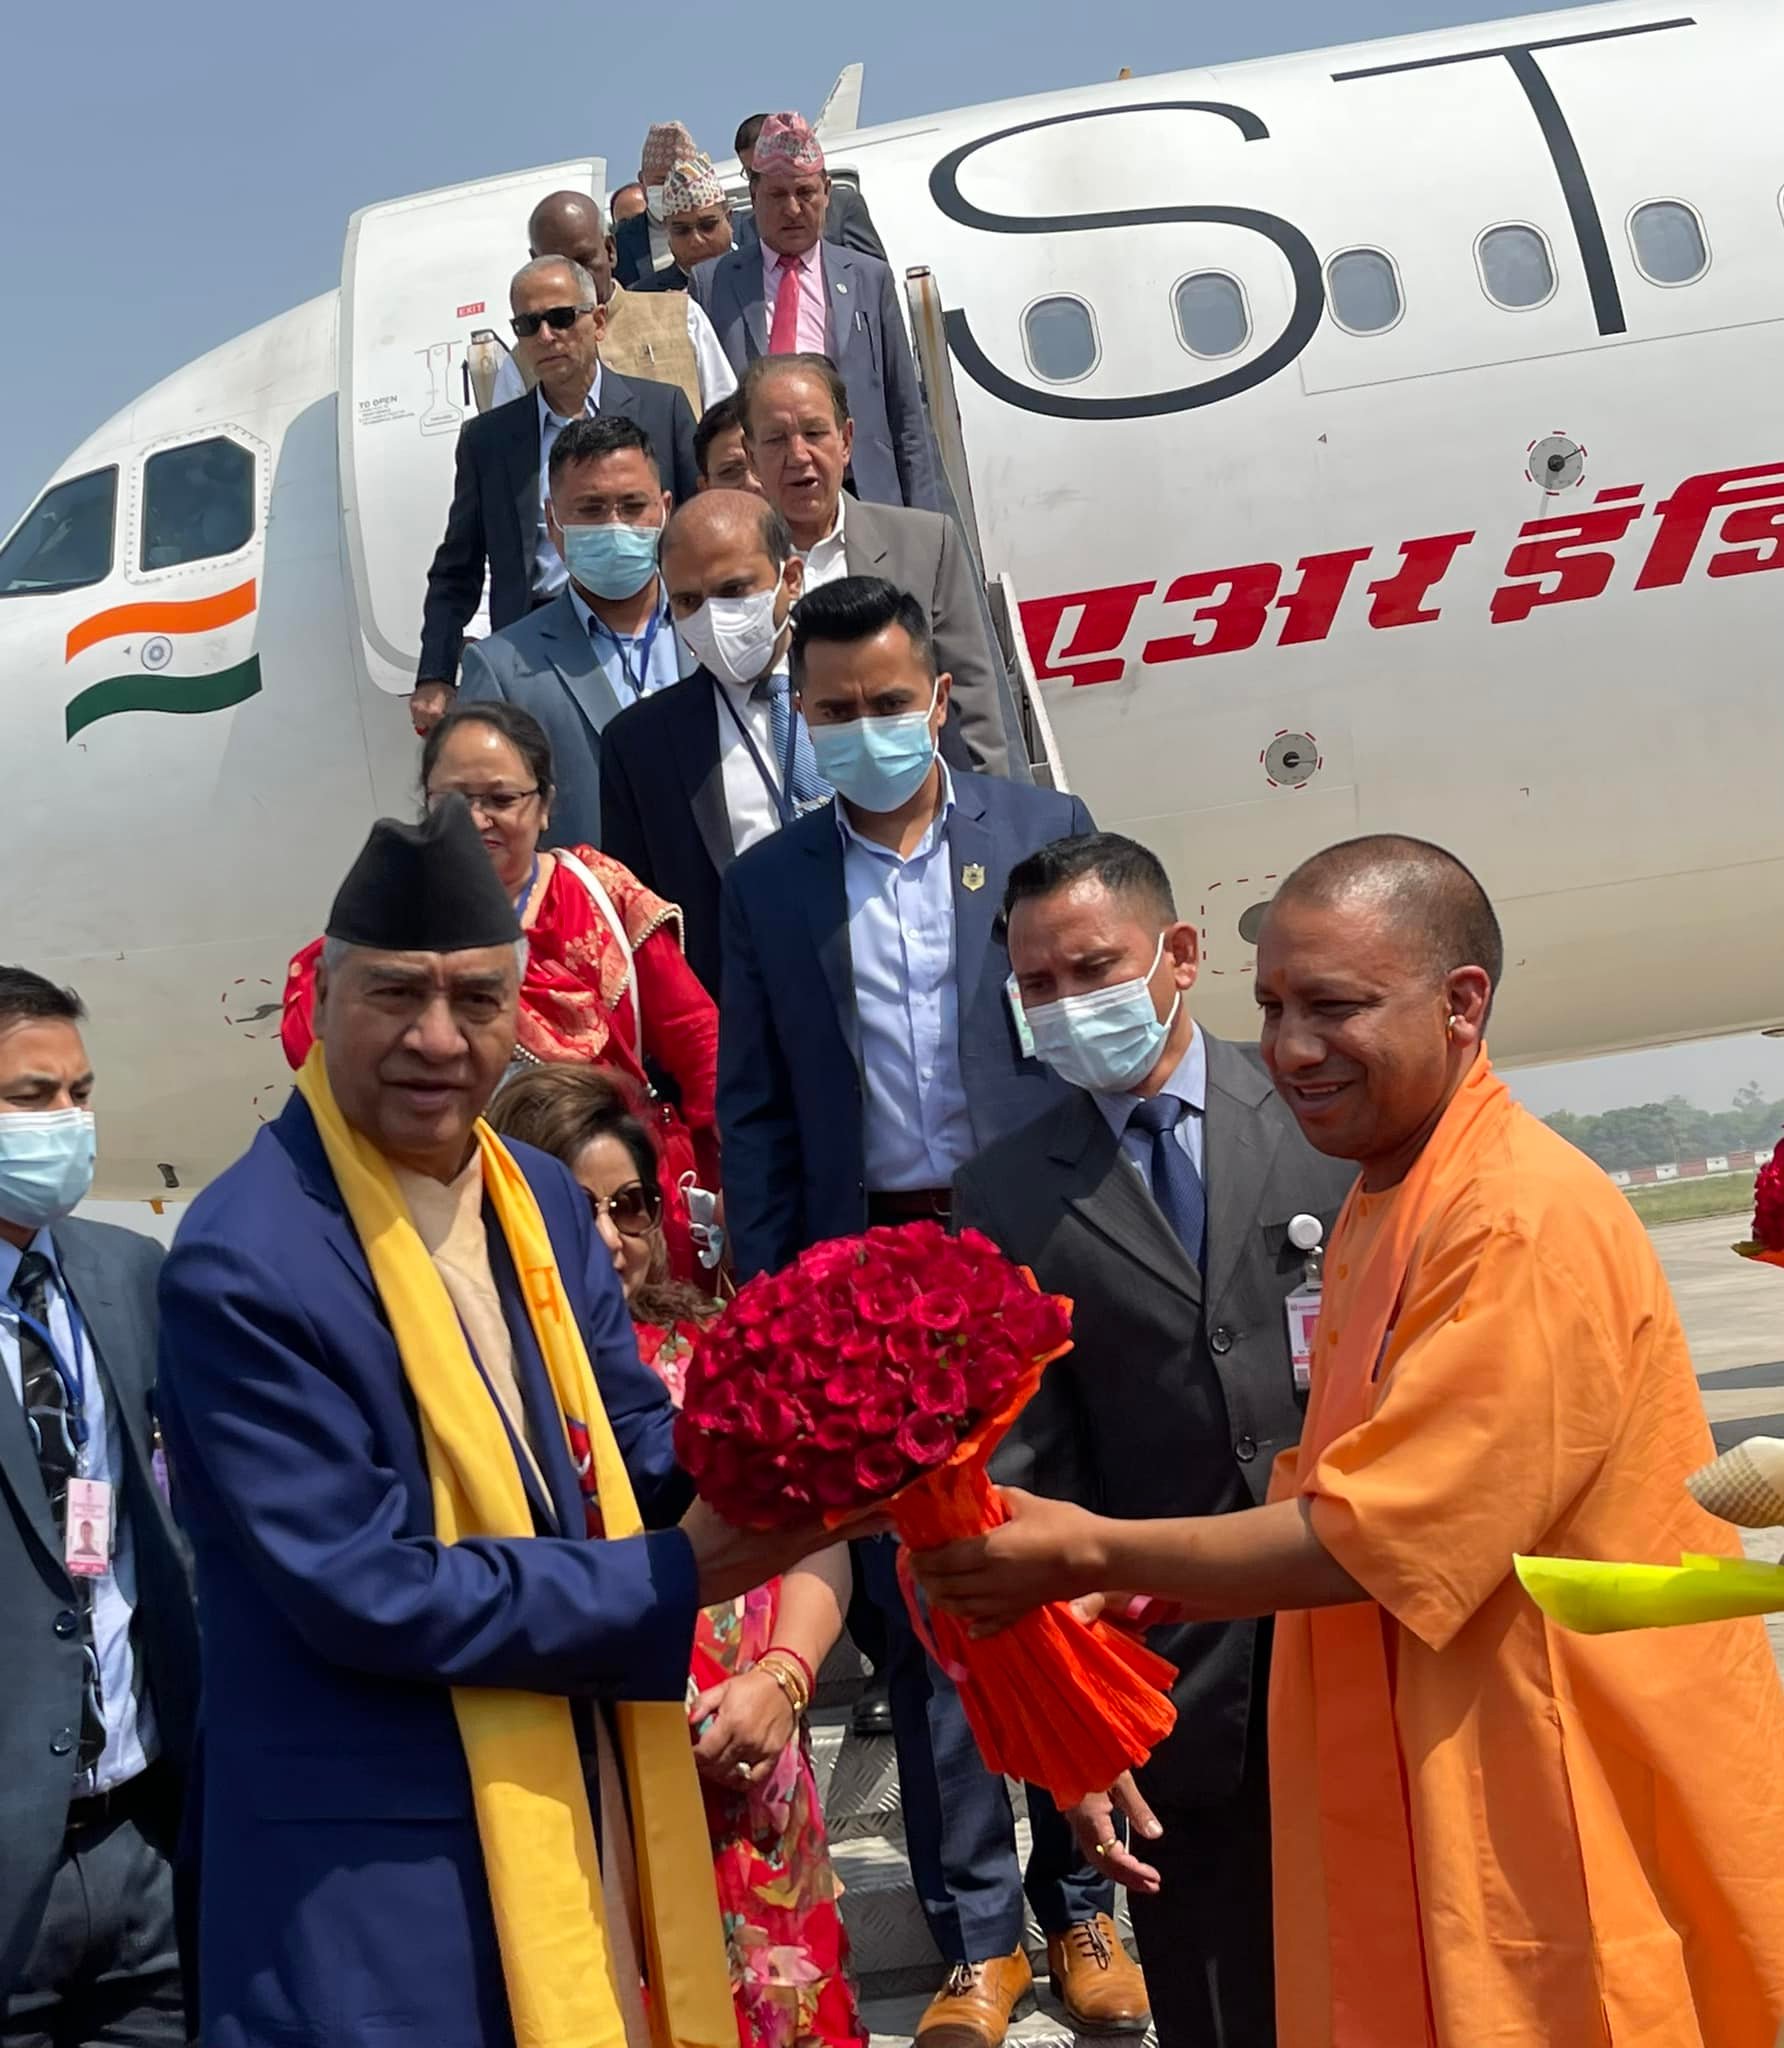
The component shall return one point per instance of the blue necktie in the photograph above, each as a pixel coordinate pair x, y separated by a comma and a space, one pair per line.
1176, 1185
805, 786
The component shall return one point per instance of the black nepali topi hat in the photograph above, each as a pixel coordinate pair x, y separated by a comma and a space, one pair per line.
427, 888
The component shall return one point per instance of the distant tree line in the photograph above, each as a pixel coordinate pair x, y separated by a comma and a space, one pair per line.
1653, 1133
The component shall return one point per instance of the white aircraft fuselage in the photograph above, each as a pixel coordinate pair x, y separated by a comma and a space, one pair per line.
1384, 438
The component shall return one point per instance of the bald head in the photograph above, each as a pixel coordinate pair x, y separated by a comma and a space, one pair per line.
569, 224
1375, 972
716, 521
1424, 892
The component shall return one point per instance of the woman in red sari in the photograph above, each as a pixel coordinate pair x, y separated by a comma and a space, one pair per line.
753, 1658
607, 983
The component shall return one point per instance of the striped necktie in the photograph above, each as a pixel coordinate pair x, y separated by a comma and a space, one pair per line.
805, 786
52, 1420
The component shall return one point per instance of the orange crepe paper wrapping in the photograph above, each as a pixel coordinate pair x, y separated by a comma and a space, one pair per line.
1058, 1702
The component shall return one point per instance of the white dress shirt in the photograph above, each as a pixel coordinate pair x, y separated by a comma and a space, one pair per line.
827, 560
549, 573
712, 367
129, 1721
752, 780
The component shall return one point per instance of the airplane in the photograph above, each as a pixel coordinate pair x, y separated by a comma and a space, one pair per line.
1383, 437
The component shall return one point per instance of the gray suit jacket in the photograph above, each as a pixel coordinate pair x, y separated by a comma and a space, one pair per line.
546, 664
111, 1274
1178, 1391
922, 552
894, 461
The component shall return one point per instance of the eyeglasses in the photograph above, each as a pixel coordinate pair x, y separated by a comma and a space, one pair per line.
557, 318
633, 1208
493, 803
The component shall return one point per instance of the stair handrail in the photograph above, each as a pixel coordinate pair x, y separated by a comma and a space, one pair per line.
929, 335
1044, 758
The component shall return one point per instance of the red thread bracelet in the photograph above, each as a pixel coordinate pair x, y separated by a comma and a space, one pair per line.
805, 1670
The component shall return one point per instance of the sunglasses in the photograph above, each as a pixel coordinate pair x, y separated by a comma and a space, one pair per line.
634, 1208
557, 318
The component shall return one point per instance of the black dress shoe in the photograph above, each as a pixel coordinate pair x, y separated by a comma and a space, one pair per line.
873, 1712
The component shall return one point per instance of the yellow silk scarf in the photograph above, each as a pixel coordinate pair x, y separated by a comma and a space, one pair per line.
532, 1801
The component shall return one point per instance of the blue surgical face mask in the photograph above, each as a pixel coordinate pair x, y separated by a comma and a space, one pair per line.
1108, 1038
612, 561
878, 763
46, 1164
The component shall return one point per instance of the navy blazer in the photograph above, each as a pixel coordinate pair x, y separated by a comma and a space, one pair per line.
342, 1888
894, 461
663, 809
790, 1091
111, 1275
494, 516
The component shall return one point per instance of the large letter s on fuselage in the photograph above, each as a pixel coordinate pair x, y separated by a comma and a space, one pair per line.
1303, 262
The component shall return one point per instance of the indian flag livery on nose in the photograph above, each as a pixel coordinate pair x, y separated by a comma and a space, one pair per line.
181, 655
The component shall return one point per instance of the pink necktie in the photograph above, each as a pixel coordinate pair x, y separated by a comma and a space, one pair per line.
783, 337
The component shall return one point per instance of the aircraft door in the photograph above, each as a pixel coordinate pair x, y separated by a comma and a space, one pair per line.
422, 278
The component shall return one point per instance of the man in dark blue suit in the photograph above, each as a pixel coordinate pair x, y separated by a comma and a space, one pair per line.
497, 516
344, 1894
867, 1050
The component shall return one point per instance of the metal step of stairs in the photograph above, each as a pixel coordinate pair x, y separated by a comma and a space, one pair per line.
896, 1963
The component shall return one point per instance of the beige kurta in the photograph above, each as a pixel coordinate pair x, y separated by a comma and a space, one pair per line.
448, 1218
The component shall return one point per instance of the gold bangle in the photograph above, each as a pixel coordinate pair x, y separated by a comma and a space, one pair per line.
790, 1682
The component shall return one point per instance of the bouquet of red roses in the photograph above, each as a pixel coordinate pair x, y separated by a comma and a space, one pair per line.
1767, 1241
885, 1369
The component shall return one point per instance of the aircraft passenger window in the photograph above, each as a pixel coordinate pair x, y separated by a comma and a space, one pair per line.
1211, 315
65, 541
1515, 267
1364, 291
198, 501
1667, 238
1060, 338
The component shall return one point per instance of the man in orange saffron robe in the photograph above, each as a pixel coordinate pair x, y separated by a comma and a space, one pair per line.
1489, 1833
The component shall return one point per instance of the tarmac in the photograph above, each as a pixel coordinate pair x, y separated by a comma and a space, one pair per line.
1733, 1312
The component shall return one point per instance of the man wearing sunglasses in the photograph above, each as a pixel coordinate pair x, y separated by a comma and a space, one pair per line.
558, 321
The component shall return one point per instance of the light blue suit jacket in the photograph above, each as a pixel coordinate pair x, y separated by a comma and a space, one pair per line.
894, 461
546, 664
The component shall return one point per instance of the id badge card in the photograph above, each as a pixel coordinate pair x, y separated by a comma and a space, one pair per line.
1301, 1310
87, 1535
1019, 1017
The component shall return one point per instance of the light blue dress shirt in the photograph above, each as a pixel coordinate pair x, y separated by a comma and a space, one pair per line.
622, 654
129, 1722
549, 573
1188, 1083
907, 1002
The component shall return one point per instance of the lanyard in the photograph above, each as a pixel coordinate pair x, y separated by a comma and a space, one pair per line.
526, 895
73, 1386
640, 682
783, 801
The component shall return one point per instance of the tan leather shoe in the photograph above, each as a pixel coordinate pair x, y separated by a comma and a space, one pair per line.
973, 2009
1096, 1980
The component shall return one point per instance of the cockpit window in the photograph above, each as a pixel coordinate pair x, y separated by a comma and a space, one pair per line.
65, 541
198, 502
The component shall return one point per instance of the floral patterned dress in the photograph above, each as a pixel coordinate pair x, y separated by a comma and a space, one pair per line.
789, 1953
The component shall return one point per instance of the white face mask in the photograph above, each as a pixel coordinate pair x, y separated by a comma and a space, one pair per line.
653, 201
733, 637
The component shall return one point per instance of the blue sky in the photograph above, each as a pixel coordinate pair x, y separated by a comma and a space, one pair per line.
174, 175
177, 174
